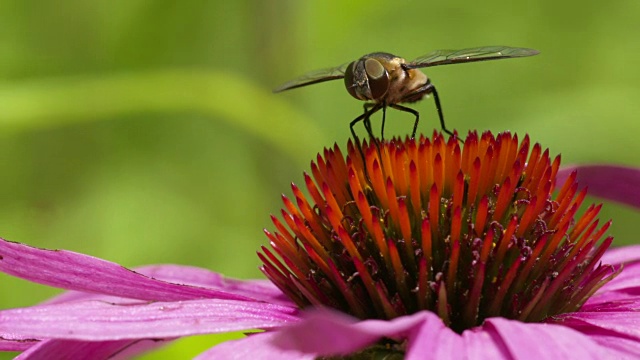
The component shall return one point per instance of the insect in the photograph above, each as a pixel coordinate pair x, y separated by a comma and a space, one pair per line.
383, 79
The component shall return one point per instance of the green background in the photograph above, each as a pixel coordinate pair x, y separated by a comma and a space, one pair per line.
145, 131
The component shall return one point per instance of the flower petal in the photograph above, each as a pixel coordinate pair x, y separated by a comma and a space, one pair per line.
16, 345
627, 348
69, 296
498, 338
431, 339
255, 346
70, 349
327, 332
617, 183
613, 325
480, 345
435, 341
543, 341
624, 286
263, 290
621, 255
621, 318
74, 271
101, 321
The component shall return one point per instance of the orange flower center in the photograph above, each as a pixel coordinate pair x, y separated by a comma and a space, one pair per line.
467, 231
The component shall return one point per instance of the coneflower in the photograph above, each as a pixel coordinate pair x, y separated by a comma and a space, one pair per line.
411, 249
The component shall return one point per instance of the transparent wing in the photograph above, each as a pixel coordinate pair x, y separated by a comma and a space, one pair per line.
314, 77
443, 57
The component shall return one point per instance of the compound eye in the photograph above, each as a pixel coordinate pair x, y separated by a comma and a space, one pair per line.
349, 81
378, 78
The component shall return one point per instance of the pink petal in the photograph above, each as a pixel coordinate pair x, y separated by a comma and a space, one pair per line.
613, 325
70, 349
621, 255
481, 345
493, 340
610, 296
263, 290
631, 304
627, 348
69, 296
73, 271
260, 290
431, 339
620, 319
543, 341
617, 183
101, 321
327, 332
16, 345
255, 346
435, 341
624, 286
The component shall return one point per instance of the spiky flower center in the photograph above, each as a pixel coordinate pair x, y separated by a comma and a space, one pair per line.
468, 232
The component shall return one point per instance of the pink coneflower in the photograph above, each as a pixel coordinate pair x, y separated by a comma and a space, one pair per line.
418, 249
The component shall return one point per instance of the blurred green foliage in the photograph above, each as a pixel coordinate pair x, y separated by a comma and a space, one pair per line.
145, 132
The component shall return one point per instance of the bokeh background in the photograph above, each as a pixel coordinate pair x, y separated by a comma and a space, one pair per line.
144, 131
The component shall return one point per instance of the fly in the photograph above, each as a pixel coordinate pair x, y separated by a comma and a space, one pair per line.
385, 80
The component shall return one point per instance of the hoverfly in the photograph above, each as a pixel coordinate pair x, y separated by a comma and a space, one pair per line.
383, 79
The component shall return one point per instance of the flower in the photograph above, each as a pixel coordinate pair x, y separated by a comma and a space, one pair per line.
422, 249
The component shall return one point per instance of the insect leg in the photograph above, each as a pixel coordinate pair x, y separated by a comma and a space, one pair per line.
384, 117
367, 124
425, 89
439, 108
409, 110
368, 112
367, 120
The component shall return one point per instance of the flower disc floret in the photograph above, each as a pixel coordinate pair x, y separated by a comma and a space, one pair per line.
468, 231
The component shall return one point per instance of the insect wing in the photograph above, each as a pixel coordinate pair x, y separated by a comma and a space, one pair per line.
314, 77
444, 57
